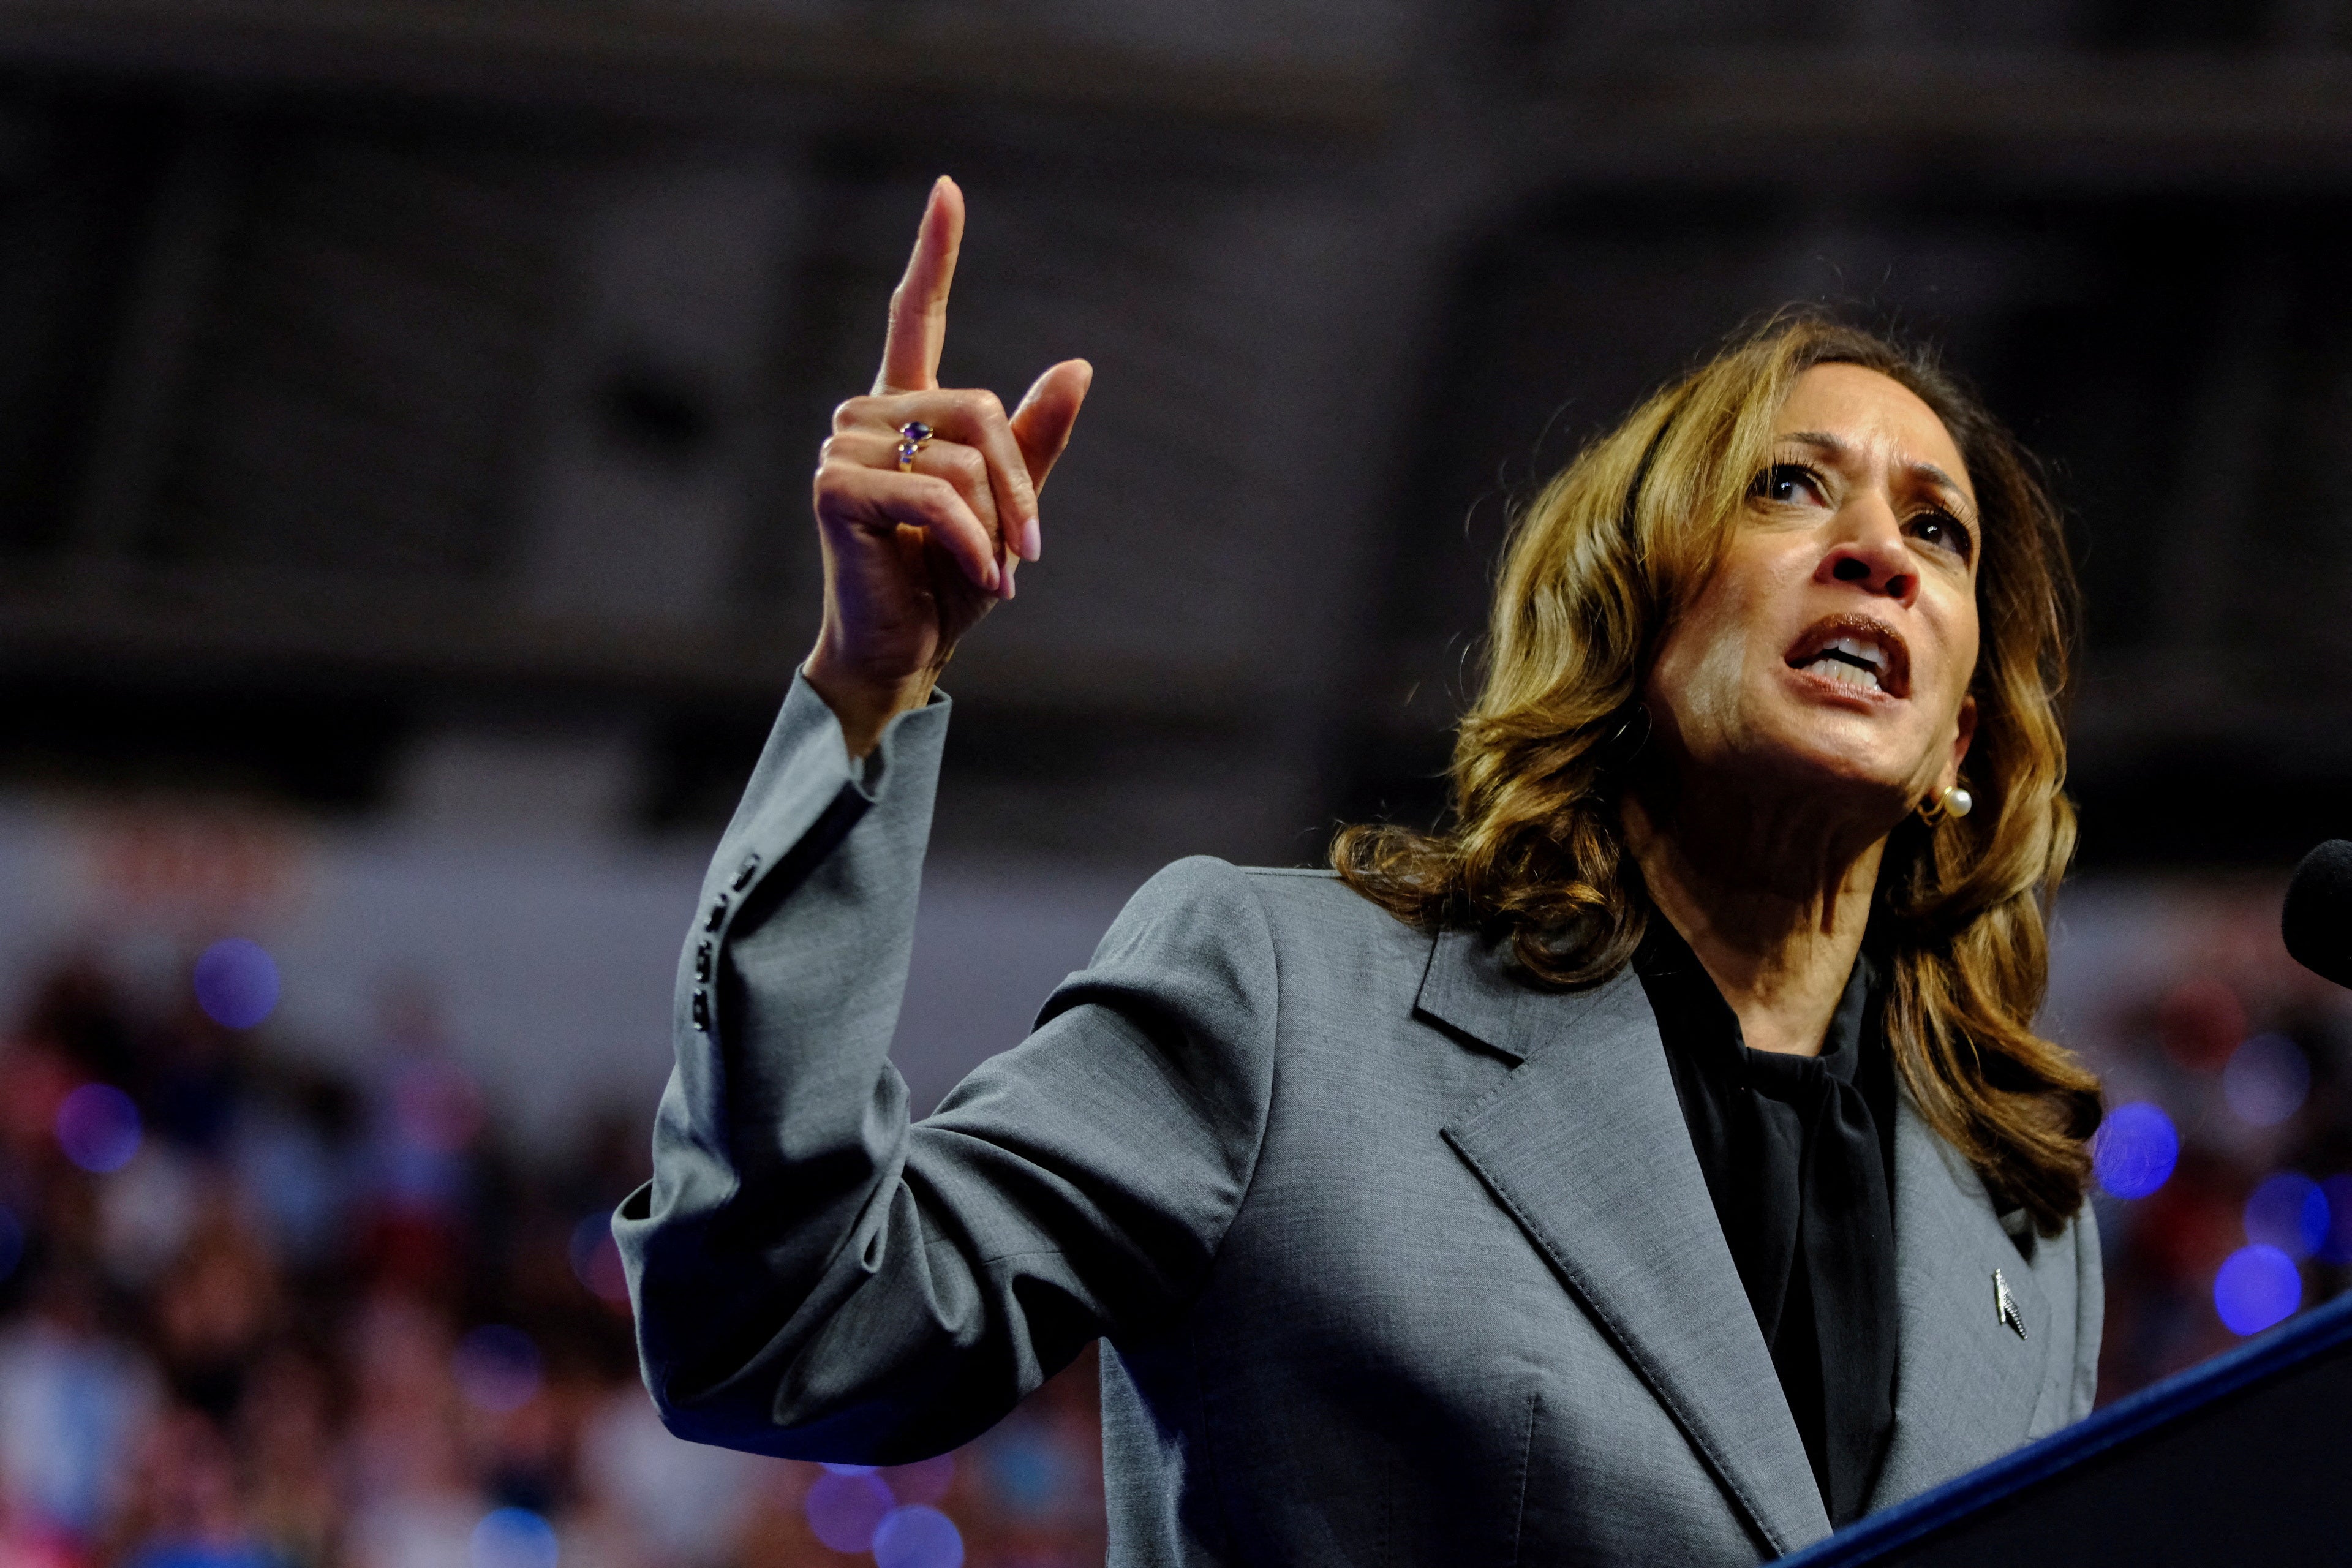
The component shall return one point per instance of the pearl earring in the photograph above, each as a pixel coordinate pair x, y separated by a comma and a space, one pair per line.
1953, 801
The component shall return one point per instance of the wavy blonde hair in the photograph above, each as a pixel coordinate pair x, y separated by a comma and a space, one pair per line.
1596, 568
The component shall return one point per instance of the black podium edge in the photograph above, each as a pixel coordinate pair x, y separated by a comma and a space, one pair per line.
2234, 1372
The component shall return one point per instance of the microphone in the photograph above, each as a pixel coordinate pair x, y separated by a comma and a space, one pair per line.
2317, 919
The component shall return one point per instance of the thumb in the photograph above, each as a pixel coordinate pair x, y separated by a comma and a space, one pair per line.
1048, 412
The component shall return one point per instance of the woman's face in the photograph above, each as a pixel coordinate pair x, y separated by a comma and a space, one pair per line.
1833, 646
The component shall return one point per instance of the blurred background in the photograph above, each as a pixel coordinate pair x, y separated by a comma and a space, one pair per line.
405, 412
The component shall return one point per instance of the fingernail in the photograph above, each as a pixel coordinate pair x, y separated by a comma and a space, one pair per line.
1010, 564
1033, 540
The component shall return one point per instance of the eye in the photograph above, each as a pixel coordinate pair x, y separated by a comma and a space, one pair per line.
1944, 532
1789, 484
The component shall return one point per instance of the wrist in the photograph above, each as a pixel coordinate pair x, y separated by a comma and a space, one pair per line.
863, 703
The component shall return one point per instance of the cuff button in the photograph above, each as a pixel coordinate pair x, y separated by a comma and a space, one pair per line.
702, 1009
745, 872
702, 960
718, 915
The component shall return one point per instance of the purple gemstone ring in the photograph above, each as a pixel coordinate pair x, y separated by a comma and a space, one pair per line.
913, 436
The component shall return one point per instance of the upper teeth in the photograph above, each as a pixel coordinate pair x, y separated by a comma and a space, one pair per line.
1850, 661
1855, 648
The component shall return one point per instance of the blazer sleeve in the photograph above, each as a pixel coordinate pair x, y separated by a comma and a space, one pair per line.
814, 1276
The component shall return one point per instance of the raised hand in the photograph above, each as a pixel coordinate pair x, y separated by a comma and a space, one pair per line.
914, 557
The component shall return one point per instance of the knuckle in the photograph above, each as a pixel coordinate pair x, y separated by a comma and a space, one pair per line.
984, 403
846, 413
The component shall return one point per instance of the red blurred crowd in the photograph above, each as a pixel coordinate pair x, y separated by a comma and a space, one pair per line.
2204, 1018
255, 1313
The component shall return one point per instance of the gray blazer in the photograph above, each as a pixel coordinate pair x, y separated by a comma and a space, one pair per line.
1398, 1259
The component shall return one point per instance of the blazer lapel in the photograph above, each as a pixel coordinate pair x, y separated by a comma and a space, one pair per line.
1585, 1146
1966, 1383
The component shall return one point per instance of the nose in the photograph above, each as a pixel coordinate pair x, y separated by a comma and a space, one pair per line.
1867, 550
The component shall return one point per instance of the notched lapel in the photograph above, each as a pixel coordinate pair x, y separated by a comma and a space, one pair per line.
1584, 1145
1966, 1384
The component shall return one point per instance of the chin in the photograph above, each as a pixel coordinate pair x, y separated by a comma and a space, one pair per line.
1863, 776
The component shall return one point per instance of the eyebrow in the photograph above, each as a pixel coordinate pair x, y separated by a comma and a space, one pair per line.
1823, 441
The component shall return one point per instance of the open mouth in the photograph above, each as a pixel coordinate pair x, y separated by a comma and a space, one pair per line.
1856, 651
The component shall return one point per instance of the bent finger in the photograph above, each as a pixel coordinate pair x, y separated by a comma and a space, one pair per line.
877, 499
919, 308
972, 418
961, 465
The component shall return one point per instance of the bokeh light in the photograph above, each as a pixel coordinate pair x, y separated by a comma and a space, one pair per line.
236, 982
2258, 1286
2336, 1247
917, 1537
845, 1509
98, 1127
2266, 1079
1031, 1474
12, 1242
513, 1537
496, 1368
2135, 1150
596, 1259
2289, 1212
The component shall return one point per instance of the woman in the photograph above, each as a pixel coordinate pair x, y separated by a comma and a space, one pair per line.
1658, 1166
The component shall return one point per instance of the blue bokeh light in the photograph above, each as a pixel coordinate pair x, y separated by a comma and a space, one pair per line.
917, 1537
845, 1509
12, 1243
2258, 1286
2337, 1247
2289, 1212
98, 1127
1031, 1472
236, 982
2135, 1150
513, 1537
496, 1368
2266, 1079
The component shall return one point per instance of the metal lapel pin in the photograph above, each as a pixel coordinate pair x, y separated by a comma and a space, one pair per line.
2004, 1305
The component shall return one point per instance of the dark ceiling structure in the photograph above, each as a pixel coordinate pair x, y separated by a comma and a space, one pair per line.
381, 371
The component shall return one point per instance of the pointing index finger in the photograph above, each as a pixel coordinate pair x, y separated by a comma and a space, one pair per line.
919, 310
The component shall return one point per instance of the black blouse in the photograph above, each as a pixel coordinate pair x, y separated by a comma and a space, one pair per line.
1799, 1158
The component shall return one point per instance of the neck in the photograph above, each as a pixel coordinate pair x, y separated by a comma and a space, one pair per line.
1771, 894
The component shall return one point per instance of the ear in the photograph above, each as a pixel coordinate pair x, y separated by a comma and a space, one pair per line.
1964, 730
